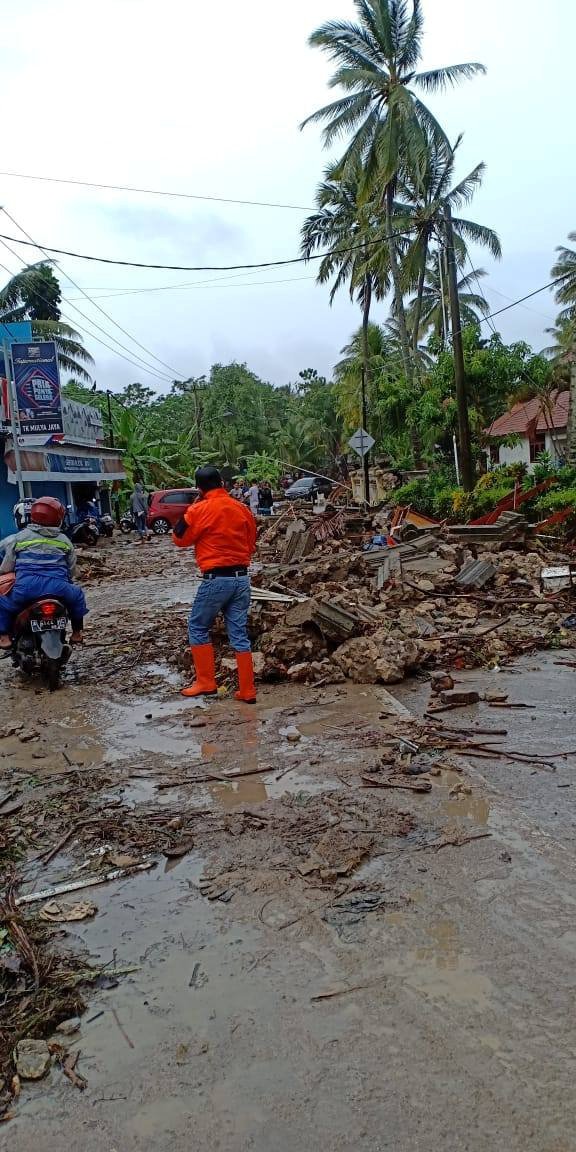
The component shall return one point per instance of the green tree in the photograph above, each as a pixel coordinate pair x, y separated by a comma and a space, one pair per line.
428, 309
376, 64
422, 208
564, 270
34, 294
345, 226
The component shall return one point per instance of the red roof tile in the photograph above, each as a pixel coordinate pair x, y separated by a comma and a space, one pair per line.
530, 415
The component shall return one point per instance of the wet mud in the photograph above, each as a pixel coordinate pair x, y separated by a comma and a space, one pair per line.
326, 965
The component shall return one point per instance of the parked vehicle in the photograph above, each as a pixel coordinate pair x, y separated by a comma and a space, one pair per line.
106, 525
127, 524
39, 640
167, 507
308, 488
86, 532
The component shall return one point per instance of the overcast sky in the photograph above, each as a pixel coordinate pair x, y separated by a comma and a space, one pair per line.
207, 99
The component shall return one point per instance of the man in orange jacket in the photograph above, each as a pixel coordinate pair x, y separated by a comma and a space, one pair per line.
222, 532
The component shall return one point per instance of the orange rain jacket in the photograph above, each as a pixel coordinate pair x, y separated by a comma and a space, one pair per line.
220, 529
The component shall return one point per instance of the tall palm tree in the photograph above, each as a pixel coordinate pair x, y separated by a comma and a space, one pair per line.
563, 335
29, 296
376, 64
423, 204
428, 309
346, 226
565, 270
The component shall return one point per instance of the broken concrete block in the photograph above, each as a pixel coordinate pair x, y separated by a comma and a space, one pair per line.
441, 682
460, 696
32, 1059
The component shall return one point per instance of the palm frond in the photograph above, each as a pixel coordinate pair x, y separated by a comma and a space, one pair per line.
441, 78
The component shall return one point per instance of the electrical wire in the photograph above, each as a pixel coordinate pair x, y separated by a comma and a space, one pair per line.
85, 331
133, 355
174, 372
156, 192
201, 283
208, 267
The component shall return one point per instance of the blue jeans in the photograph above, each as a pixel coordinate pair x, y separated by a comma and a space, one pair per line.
229, 595
140, 524
30, 588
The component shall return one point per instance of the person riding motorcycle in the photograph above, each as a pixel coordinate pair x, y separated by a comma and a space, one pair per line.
43, 562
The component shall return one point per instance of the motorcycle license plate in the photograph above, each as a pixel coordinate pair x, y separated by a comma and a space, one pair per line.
46, 625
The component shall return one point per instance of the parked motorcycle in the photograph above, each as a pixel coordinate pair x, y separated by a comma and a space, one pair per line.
127, 524
106, 525
39, 640
85, 532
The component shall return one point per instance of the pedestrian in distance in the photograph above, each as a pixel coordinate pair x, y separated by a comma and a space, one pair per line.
222, 532
266, 501
254, 498
139, 510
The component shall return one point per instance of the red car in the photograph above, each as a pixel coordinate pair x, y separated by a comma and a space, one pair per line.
167, 507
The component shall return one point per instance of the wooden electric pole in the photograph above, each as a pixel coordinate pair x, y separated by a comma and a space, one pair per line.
571, 429
465, 447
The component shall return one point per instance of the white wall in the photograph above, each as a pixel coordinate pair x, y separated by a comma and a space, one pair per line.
519, 454
555, 445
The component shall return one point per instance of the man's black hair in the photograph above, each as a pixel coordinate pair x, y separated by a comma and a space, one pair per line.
208, 478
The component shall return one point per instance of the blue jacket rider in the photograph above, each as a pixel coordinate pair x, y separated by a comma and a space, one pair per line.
43, 561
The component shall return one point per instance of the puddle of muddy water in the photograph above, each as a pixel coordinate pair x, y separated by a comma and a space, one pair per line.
256, 789
443, 969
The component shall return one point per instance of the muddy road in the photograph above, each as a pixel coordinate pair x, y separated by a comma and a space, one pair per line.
314, 964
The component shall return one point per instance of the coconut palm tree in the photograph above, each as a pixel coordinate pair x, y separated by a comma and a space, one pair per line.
564, 270
347, 227
564, 337
376, 62
431, 305
422, 207
34, 294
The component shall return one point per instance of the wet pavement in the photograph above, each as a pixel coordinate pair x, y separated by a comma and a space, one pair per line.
439, 1016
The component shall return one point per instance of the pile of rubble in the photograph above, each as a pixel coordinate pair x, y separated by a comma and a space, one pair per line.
332, 603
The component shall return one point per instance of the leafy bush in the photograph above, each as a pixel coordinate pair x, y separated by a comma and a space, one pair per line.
417, 493
554, 501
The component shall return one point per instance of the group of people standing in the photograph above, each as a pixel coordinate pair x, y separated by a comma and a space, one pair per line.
258, 495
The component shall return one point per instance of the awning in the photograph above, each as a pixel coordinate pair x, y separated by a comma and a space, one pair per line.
66, 462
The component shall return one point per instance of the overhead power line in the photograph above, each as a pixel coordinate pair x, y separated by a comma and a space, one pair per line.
133, 356
91, 335
173, 371
210, 267
156, 192
199, 284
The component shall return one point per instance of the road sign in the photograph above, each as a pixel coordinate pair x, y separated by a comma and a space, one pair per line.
361, 442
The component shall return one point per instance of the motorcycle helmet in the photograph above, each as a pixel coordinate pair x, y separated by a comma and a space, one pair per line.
48, 512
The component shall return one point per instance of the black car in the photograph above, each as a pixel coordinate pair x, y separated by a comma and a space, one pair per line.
308, 488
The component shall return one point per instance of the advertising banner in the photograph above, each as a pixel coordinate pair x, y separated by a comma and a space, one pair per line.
37, 386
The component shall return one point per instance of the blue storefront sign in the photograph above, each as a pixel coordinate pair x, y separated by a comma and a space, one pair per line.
74, 464
37, 384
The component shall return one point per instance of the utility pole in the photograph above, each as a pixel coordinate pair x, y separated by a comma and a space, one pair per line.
13, 417
366, 462
466, 465
110, 420
571, 429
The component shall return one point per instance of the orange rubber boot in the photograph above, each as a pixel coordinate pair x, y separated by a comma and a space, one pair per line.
205, 668
247, 688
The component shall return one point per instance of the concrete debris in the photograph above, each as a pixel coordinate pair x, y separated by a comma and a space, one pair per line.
32, 1059
331, 601
476, 574
378, 659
